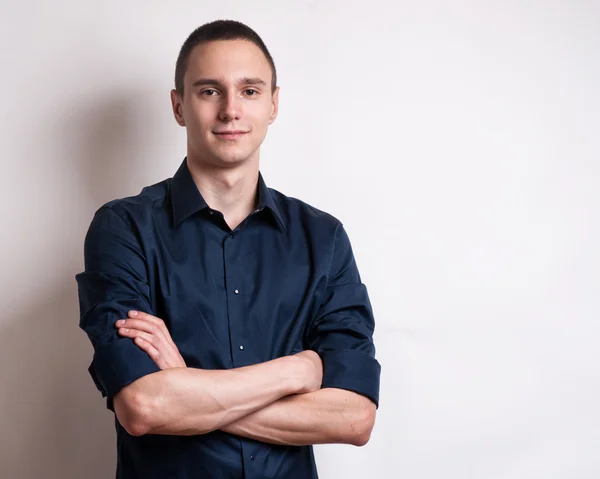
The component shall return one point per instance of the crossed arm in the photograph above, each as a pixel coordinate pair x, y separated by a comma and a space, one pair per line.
302, 399
278, 401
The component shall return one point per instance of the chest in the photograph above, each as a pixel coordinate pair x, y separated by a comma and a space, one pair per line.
237, 298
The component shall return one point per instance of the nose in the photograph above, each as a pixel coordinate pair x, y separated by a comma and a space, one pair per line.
230, 108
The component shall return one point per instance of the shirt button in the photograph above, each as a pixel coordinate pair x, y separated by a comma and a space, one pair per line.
241, 348
211, 212
237, 291
252, 458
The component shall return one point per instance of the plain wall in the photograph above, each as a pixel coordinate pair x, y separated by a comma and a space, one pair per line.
457, 141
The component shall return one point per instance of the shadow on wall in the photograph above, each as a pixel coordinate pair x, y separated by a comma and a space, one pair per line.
115, 144
54, 421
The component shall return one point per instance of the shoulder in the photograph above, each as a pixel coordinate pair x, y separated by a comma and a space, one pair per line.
297, 211
136, 208
321, 229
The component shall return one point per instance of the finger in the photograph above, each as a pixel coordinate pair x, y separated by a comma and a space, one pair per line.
149, 327
167, 352
144, 316
139, 325
135, 333
158, 322
151, 351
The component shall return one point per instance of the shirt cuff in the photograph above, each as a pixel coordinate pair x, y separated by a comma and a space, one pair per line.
117, 364
352, 370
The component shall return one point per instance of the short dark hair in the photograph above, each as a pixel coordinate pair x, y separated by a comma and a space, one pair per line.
214, 31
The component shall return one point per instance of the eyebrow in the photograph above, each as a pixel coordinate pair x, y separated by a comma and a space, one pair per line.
241, 81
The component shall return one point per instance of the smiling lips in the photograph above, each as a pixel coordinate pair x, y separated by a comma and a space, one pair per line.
230, 135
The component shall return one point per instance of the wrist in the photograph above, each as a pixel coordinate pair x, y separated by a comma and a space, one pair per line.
294, 374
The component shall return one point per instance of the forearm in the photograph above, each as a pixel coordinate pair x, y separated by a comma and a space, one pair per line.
188, 401
321, 417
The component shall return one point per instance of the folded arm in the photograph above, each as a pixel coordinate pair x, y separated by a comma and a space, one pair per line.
343, 411
189, 401
326, 416
254, 401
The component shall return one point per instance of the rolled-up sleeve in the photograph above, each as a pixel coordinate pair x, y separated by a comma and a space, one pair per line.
342, 331
113, 283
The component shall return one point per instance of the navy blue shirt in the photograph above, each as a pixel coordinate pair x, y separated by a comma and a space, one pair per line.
283, 281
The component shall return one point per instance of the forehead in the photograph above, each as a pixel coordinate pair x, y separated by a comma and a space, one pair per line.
227, 59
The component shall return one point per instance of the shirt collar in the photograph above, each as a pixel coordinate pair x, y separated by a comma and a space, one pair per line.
186, 199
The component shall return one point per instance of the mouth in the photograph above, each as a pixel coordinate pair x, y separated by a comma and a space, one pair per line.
230, 135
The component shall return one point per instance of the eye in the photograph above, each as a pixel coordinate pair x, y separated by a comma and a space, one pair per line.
251, 92
209, 92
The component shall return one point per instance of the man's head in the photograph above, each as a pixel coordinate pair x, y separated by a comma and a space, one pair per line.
225, 81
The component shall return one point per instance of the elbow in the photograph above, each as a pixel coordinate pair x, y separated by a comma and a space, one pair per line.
362, 425
132, 409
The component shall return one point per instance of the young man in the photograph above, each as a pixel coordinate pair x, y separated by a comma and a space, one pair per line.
230, 326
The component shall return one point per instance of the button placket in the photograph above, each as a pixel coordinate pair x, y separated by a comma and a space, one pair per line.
236, 306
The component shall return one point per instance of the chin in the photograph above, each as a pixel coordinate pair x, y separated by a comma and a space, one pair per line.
225, 155
232, 156
231, 159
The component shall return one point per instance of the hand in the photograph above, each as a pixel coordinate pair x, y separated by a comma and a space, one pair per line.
312, 370
153, 337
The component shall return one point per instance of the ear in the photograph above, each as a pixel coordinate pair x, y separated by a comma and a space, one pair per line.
177, 104
274, 106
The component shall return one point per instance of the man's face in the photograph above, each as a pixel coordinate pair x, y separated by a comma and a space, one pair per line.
227, 104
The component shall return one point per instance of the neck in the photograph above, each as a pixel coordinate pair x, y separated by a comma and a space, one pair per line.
232, 191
